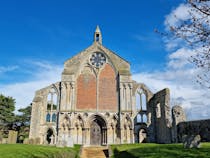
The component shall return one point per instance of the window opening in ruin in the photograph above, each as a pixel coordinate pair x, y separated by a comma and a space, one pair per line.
158, 110
141, 100
51, 105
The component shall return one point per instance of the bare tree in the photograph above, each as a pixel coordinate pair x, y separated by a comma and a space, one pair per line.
195, 31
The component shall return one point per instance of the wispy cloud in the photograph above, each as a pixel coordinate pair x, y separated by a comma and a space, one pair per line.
43, 74
7, 68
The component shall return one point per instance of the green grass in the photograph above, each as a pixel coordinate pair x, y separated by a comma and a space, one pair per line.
159, 151
36, 151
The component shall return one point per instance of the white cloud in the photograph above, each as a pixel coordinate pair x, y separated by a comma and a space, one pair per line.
23, 92
180, 77
180, 58
186, 93
176, 15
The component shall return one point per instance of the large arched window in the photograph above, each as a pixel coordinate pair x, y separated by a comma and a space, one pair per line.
141, 100
51, 105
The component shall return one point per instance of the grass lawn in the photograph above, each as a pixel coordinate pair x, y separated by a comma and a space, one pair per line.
159, 151
36, 151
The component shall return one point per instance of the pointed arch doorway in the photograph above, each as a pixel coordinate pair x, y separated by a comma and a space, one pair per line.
98, 131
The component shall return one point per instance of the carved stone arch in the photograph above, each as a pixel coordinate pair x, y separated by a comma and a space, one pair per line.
66, 121
79, 121
98, 129
128, 121
145, 89
50, 127
113, 120
107, 89
97, 116
86, 89
53, 86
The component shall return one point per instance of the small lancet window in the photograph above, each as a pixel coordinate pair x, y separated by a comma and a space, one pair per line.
145, 118
54, 117
97, 37
48, 118
138, 118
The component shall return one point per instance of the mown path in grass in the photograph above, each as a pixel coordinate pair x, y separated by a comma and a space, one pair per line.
159, 151
36, 151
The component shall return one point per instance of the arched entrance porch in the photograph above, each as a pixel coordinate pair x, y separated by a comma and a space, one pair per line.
98, 131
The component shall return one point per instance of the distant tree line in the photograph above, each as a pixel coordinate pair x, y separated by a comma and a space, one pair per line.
10, 121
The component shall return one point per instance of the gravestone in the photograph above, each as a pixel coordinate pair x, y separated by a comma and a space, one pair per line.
12, 138
69, 142
4, 140
26, 141
191, 141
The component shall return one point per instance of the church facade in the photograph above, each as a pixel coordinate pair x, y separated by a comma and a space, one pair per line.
97, 103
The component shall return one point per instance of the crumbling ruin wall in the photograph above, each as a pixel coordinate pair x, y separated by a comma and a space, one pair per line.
198, 127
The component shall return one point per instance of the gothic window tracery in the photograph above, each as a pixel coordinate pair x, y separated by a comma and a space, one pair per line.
51, 106
97, 59
141, 100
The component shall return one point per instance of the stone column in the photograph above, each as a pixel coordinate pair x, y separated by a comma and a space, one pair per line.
68, 86
72, 96
121, 97
131, 103
126, 101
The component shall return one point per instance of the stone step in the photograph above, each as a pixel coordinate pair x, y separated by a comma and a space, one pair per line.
94, 152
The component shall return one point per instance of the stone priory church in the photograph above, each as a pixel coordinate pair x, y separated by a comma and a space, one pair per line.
97, 103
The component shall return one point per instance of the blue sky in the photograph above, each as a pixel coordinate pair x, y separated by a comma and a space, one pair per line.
36, 37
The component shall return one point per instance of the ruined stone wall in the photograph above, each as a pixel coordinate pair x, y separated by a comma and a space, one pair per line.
161, 116
201, 127
178, 115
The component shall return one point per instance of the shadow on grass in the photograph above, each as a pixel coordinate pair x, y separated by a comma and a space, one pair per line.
162, 151
122, 154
